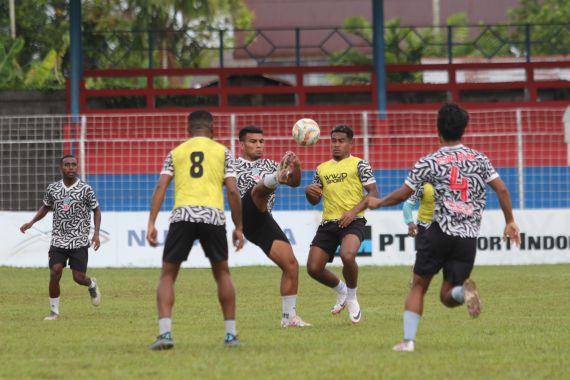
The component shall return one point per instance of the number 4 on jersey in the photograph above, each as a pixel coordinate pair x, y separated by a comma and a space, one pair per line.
462, 185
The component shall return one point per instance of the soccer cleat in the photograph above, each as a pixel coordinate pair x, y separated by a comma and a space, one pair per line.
95, 293
52, 316
163, 342
353, 311
283, 169
296, 321
472, 300
231, 340
340, 303
404, 346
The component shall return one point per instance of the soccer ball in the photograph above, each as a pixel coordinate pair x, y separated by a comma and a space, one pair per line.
306, 132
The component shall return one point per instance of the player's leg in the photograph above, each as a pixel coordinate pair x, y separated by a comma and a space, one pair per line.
281, 253
57, 261
215, 245
429, 260
78, 259
316, 267
458, 288
261, 192
227, 299
181, 236
348, 249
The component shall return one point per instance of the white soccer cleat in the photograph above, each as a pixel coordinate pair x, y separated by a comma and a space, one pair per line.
95, 293
52, 316
353, 311
404, 346
472, 300
340, 303
296, 321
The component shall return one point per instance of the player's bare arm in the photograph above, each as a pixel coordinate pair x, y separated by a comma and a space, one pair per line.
395, 197
97, 222
313, 193
412, 229
39, 216
511, 231
155, 204
348, 216
234, 201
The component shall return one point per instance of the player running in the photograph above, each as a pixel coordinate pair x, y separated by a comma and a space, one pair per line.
459, 175
72, 202
340, 182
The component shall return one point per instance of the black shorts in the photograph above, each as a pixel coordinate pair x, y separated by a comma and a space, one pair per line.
437, 250
259, 227
330, 235
77, 257
181, 237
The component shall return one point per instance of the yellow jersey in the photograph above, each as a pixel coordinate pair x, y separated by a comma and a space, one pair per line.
199, 169
343, 182
427, 203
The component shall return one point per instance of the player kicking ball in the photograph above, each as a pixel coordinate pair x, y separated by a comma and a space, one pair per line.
257, 180
72, 202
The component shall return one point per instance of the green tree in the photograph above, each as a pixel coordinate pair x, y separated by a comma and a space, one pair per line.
548, 23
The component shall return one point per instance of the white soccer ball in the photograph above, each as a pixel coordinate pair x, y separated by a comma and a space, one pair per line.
306, 132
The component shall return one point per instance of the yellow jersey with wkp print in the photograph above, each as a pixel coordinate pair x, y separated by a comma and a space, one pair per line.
343, 183
199, 167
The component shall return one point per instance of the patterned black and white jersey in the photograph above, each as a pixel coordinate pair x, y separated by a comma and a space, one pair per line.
249, 173
459, 175
72, 207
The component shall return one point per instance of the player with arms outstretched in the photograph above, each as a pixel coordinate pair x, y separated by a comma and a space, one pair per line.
200, 168
341, 183
257, 180
459, 175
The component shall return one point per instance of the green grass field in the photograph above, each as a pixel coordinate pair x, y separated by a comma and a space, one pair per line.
524, 331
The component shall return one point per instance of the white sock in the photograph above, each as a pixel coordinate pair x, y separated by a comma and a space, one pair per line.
92, 284
288, 306
230, 325
457, 294
164, 325
350, 293
341, 287
54, 305
270, 181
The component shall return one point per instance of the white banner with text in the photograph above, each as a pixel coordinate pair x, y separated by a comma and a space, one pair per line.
545, 239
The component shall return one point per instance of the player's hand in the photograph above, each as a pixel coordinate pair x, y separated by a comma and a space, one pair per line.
314, 190
512, 233
25, 227
346, 218
95, 242
372, 202
237, 239
151, 235
412, 229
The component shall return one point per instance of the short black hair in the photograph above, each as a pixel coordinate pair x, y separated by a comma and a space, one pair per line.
452, 121
343, 128
248, 129
64, 157
200, 120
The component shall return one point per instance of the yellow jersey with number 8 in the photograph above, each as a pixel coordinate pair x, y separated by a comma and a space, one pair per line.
199, 165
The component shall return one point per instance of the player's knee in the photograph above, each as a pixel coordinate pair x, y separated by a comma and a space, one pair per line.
313, 270
348, 257
79, 277
55, 274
